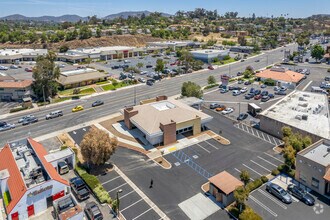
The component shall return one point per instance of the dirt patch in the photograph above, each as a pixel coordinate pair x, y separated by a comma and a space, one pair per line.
67, 141
211, 36
118, 40
163, 162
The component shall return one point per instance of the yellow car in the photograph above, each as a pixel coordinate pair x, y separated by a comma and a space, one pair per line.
78, 108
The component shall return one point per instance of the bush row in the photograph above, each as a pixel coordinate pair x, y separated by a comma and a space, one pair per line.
256, 183
17, 109
211, 86
283, 169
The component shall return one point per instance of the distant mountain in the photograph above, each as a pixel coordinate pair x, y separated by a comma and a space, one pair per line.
125, 14
320, 16
69, 18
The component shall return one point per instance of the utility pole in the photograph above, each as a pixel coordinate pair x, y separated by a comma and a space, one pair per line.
43, 92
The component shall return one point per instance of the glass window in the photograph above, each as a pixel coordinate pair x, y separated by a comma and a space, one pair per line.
315, 182
302, 177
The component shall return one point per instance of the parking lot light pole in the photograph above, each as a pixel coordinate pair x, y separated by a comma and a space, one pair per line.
119, 191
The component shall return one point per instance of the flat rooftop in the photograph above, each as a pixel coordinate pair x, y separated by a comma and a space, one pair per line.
208, 51
11, 52
99, 49
77, 72
319, 153
304, 110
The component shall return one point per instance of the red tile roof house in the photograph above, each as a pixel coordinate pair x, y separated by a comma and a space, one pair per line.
15, 89
282, 76
30, 180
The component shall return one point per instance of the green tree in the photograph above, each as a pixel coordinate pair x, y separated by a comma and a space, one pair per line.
289, 155
241, 194
186, 59
160, 65
245, 176
211, 80
286, 131
139, 65
191, 89
242, 41
88, 61
64, 48
43, 38
317, 52
249, 214
98, 32
45, 74
85, 33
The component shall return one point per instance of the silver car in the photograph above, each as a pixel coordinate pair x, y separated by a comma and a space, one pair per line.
7, 127
279, 192
25, 118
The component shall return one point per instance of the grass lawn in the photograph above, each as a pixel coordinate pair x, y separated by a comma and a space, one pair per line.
112, 87
6, 198
102, 83
61, 99
83, 91
222, 62
86, 91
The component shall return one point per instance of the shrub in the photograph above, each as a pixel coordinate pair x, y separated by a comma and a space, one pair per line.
268, 67
275, 172
264, 179
17, 109
270, 82
249, 214
76, 91
102, 194
6, 198
254, 185
234, 211
63, 147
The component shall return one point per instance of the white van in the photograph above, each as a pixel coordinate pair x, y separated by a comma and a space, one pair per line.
62, 167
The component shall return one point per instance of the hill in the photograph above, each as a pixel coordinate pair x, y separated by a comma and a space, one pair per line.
125, 14
69, 18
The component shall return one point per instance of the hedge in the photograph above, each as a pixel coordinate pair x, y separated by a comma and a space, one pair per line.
17, 109
6, 198
211, 86
94, 184
254, 185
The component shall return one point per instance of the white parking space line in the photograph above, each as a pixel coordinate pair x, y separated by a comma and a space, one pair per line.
271, 197
260, 166
269, 139
263, 206
263, 136
307, 86
212, 145
275, 141
273, 157
203, 148
142, 213
258, 134
131, 205
126, 194
117, 187
267, 161
110, 180
252, 170
241, 172
253, 132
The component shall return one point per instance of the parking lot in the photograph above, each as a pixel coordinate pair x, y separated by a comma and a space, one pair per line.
131, 204
78, 134
269, 207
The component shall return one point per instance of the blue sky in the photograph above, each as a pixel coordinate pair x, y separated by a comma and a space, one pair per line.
295, 8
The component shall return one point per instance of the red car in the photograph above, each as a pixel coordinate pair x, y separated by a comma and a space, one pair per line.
210, 67
257, 97
28, 69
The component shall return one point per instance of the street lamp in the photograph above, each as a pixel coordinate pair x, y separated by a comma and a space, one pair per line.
119, 191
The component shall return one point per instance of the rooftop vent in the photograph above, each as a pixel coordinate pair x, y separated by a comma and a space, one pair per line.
299, 117
304, 117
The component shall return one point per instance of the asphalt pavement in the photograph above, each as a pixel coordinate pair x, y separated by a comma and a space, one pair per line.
117, 100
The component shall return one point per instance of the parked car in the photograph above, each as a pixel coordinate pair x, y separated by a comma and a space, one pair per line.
7, 126
210, 67
214, 105
263, 86
280, 93
236, 92
240, 81
227, 111
264, 93
143, 72
279, 192
220, 108
257, 92
54, 114
242, 60
249, 96
141, 80
13, 67
265, 98
243, 90
97, 103
271, 95
252, 90
247, 83
131, 76
127, 61
257, 61
63, 167
239, 74
24, 118
92, 211
79, 187
115, 67
257, 97
301, 194
223, 90
148, 66
28, 69
283, 88
78, 108
277, 88
242, 116
3, 68
150, 82
30, 120
327, 78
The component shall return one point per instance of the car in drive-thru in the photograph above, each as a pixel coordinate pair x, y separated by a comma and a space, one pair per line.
93, 211
79, 187
63, 167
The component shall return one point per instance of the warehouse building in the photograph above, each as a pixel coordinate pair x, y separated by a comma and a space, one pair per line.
305, 112
163, 120
28, 182
313, 167
175, 44
80, 77
208, 56
241, 49
16, 55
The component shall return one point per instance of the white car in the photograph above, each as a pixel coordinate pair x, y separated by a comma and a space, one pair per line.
24, 118
7, 127
236, 92
143, 72
227, 111
244, 90
3, 68
13, 67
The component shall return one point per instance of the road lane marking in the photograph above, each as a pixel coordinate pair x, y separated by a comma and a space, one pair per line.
142, 213
131, 205
271, 197
260, 166
203, 148
273, 157
252, 170
212, 145
267, 161
110, 180
117, 187
263, 206
241, 172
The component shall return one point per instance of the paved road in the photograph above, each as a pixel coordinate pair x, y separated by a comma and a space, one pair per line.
119, 99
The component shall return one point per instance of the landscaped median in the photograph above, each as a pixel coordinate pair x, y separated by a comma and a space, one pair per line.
116, 85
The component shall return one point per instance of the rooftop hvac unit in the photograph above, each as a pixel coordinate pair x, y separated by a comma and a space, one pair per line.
299, 117
328, 149
304, 117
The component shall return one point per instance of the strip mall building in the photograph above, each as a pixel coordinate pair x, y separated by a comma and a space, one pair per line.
28, 179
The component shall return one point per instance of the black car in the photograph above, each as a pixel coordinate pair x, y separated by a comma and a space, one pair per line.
257, 92
30, 120
249, 96
93, 212
239, 73
2, 123
247, 83
150, 82
148, 66
115, 67
252, 90
79, 187
97, 103
301, 194
242, 116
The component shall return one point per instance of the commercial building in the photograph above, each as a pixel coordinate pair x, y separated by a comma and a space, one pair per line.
16, 55
175, 44
305, 112
208, 55
313, 167
162, 120
80, 77
241, 49
29, 183
282, 76
15, 90
222, 187
67, 208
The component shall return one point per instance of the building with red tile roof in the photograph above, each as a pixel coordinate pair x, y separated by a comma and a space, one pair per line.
15, 89
28, 179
